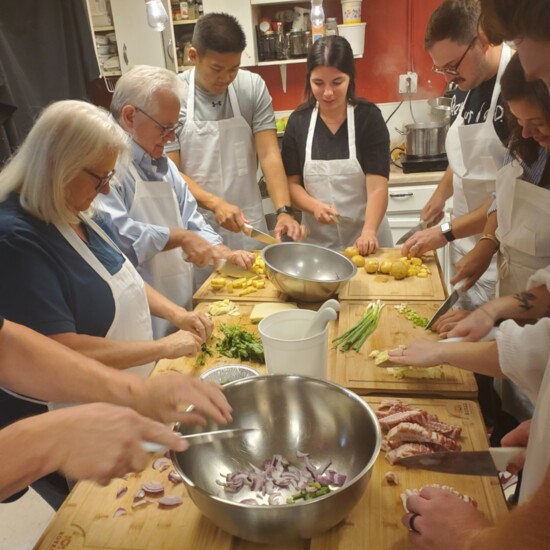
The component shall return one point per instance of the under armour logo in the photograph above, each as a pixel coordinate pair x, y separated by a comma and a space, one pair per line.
214, 103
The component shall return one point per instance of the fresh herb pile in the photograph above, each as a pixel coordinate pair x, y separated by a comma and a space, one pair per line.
357, 335
239, 343
204, 353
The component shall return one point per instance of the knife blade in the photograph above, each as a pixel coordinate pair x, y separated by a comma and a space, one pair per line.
474, 463
231, 270
199, 438
447, 304
265, 238
423, 224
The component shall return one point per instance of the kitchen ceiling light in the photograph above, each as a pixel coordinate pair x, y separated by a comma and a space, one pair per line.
157, 18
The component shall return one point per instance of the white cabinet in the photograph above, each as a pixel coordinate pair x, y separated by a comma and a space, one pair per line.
123, 37
404, 206
138, 44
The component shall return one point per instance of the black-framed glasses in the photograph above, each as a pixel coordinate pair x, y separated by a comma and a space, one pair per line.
453, 70
102, 181
164, 130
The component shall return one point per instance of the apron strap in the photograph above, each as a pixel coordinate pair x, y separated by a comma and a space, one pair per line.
191, 98
350, 115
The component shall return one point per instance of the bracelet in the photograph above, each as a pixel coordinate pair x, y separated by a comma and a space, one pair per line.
490, 237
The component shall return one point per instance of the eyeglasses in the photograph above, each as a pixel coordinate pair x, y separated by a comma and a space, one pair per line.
164, 130
453, 70
102, 180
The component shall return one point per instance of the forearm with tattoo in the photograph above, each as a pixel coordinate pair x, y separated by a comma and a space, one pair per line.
525, 300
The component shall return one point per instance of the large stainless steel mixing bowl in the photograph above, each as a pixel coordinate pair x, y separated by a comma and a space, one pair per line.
307, 272
293, 414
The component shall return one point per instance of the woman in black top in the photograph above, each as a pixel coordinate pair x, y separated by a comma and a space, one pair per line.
336, 155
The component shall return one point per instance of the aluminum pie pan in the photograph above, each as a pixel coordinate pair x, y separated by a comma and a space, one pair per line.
224, 374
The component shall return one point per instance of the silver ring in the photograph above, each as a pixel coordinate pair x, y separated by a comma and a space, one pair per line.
412, 519
403, 351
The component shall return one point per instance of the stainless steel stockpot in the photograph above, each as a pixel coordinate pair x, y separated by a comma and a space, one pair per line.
425, 139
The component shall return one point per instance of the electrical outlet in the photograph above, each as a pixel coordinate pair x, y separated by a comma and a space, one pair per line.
408, 83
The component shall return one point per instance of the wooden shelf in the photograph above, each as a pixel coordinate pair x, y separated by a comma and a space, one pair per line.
184, 21
104, 29
282, 62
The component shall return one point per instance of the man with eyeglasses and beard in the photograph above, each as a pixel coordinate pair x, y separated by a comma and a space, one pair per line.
472, 66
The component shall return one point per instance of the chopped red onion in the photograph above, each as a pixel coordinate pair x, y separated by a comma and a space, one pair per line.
153, 487
138, 503
248, 501
169, 501
121, 492
161, 464
139, 494
120, 512
174, 477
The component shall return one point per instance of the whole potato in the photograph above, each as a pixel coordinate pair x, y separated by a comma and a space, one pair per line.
351, 251
371, 266
385, 266
399, 270
358, 260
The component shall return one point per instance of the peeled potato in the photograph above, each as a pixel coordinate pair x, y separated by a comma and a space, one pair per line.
385, 266
351, 251
371, 266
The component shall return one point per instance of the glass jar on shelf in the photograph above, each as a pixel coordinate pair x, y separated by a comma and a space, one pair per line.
331, 26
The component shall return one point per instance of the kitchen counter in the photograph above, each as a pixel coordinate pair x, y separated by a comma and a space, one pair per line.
86, 520
397, 177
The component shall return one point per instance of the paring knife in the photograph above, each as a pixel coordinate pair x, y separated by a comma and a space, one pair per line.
447, 304
199, 438
258, 235
423, 224
473, 463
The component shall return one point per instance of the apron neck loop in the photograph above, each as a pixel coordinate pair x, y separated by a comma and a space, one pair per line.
350, 115
191, 98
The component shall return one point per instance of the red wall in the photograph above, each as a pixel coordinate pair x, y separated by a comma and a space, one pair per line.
386, 54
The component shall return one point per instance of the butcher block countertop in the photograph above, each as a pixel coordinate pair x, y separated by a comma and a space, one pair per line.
86, 521
358, 372
366, 286
363, 286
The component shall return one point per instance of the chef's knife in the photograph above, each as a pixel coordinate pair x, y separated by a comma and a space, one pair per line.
199, 438
258, 235
447, 304
423, 224
342, 219
473, 463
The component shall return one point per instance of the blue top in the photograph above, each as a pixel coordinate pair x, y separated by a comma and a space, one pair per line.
142, 241
45, 284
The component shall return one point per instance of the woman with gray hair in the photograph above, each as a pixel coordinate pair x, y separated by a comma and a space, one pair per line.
62, 275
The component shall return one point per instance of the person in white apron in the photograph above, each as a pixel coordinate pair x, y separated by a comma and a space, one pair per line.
333, 194
152, 211
475, 154
228, 125
61, 274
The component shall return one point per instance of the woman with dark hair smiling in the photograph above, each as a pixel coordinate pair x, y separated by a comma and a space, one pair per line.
335, 152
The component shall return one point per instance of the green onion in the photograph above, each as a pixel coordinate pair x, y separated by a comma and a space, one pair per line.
355, 337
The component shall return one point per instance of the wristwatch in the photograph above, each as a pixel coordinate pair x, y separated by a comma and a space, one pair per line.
284, 210
447, 231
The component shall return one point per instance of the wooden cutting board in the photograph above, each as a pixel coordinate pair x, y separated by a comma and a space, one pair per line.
365, 286
358, 372
267, 294
85, 521
189, 365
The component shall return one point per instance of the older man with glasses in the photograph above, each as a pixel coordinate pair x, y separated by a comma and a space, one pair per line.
152, 210
472, 67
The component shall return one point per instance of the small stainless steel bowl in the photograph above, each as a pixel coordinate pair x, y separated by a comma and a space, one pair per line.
307, 272
224, 374
292, 413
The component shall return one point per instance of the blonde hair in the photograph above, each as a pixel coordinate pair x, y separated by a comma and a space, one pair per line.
138, 86
67, 137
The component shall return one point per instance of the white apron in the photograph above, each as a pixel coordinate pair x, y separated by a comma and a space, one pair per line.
523, 231
523, 212
475, 154
221, 157
342, 184
132, 320
167, 272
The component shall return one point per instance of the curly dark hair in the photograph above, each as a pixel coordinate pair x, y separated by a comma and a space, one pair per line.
514, 86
